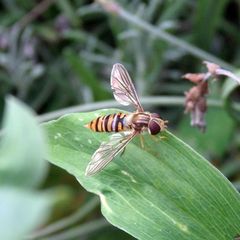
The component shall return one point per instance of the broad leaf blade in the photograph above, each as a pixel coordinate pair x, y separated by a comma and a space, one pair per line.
22, 147
165, 191
21, 211
22, 167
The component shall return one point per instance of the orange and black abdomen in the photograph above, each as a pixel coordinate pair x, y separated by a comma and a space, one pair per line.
109, 123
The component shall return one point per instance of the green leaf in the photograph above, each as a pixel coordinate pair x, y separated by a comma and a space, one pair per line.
68, 10
164, 191
21, 167
22, 147
86, 74
208, 13
21, 211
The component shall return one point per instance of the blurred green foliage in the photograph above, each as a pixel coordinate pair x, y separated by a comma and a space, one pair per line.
22, 168
61, 55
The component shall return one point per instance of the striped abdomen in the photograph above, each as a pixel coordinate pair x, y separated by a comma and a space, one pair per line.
109, 123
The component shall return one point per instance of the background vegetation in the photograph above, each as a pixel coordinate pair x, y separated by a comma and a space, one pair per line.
58, 54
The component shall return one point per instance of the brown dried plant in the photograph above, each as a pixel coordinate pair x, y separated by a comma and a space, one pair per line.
195, 98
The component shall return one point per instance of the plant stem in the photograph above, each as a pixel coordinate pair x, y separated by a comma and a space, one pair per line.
78, 232
70, 220
153, 101
113, 7
38, 10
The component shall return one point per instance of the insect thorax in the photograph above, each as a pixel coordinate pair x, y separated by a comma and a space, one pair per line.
138, 121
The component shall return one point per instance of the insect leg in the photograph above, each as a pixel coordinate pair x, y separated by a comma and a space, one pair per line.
141, 141
158, 138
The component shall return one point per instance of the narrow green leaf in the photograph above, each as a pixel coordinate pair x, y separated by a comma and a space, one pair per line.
68, 10
164, 191
172, 11
86, 75
208, 13
22, 147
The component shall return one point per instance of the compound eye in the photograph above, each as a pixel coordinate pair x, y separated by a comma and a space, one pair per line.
155, 115
154, 128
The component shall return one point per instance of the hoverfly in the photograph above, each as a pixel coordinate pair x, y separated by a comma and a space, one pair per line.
130, 125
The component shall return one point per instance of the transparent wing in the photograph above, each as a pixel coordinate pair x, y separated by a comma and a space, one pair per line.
123, 88
108, 150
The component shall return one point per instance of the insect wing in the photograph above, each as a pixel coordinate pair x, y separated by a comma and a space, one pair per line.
108, 150
123, 88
